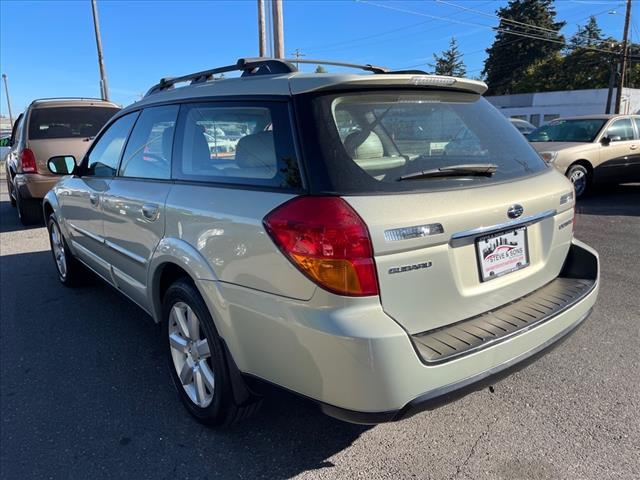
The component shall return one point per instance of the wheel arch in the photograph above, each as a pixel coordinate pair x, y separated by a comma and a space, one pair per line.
585, 163
173, 259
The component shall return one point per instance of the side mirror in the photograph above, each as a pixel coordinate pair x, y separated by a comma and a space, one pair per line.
62, 164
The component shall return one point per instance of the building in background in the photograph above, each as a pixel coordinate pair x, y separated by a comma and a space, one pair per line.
540, 108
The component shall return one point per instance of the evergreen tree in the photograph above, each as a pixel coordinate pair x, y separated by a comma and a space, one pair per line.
587, 36
450, 61
511, 56
320, 69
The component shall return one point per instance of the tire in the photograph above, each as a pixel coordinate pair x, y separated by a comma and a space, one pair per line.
29, 210
12, 199
73, 273
581, 179
196, 351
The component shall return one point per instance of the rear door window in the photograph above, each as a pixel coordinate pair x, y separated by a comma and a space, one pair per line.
148, 152
245, 144
68, 122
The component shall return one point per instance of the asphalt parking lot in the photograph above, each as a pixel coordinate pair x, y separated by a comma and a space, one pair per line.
85, 392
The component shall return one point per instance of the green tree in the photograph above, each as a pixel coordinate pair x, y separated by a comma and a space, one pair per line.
450, 61
511, 56
587, 36
320, 69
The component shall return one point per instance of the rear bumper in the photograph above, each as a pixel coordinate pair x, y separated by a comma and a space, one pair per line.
359, 364
34, 185
450, 393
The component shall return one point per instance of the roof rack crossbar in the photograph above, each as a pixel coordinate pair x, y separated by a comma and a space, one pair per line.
248, 66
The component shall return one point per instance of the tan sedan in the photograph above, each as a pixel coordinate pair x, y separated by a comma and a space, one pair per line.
592, 149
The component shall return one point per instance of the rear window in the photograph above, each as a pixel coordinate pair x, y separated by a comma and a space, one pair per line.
368, 140
68, 122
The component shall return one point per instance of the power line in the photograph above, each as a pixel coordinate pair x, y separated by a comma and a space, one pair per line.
497, 29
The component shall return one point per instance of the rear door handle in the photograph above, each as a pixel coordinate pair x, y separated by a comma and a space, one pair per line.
150, 211
633, 147
94, 199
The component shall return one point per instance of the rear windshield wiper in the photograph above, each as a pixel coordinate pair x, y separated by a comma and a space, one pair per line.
464, 170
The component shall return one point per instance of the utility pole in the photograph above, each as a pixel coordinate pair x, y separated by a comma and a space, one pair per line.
6, 89
625, 55
104, 88
278, 29
297, 54
262, 33
615, 70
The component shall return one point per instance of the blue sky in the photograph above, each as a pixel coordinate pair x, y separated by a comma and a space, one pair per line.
47, 48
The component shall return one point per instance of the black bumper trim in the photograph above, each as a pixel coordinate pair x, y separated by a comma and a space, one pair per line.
449, 393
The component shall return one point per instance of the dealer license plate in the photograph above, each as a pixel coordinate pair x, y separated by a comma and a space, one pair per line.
502, 253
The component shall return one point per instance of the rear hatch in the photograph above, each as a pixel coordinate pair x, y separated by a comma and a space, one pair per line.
430, 281
463, 214
64, 130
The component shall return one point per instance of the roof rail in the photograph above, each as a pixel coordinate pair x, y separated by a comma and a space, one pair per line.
367, 67
54, 99
248, 67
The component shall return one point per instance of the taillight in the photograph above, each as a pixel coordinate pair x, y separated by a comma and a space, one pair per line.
327, 240
28, 161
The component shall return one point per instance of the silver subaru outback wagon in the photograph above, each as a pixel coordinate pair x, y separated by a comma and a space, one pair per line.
379, 243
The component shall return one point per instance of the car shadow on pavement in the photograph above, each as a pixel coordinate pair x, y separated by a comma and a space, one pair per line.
611, 200
86, 393
9, 221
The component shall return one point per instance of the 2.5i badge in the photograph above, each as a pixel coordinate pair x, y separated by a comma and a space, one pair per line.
502, 253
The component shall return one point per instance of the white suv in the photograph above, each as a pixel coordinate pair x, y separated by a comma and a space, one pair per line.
344, 247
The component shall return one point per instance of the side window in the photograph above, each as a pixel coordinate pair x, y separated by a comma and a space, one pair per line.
17, 129
104, 156
148, 152
620, 128
247, 145
636, 120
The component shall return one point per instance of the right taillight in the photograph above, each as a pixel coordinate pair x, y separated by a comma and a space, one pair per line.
28, 161
327, 240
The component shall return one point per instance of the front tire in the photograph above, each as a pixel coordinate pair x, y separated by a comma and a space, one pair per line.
580, 177
196, 357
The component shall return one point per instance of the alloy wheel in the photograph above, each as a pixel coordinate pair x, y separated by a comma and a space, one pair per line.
57, 246
191, 354
579, 179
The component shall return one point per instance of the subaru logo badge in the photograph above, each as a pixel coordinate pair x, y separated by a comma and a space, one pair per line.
515, 211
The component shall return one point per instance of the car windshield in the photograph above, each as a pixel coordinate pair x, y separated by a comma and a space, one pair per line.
68, 122
578, 130
373, 139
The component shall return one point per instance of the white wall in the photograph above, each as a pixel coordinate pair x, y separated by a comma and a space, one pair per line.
565, 103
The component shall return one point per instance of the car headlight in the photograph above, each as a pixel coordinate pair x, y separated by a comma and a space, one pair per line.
548, 157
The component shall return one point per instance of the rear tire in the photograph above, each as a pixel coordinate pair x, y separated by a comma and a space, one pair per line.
580, 177
196, 357
29, 210
12, 198
70, 271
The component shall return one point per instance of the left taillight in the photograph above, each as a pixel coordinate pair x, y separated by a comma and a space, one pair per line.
328, 241
28, 161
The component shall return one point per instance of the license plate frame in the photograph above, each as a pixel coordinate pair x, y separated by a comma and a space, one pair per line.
502, 262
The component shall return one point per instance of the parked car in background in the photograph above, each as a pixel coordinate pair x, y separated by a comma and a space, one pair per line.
591, 149
5, 147
523, 126
334, 251
49, 127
